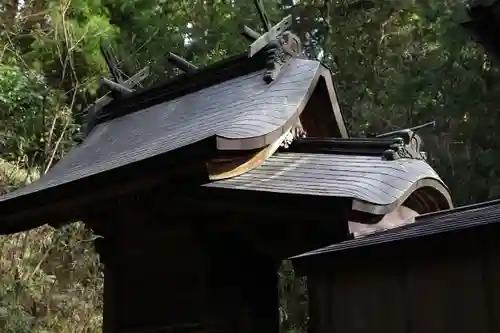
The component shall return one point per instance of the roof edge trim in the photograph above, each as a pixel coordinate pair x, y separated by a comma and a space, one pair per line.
375, 209
253, 161
256, 142
327, 74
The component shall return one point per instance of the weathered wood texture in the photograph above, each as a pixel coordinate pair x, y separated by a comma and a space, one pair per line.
377, 186
243, 113
442, 283
323, 110
244, 107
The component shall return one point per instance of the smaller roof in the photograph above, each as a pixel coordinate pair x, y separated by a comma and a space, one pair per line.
343, 168
461, 218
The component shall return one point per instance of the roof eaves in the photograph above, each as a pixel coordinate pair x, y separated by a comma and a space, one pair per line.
425, 225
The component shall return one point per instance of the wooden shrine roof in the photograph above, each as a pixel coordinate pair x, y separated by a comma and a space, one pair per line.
351, 168
149, 137
224, 107
461, 218
376, 186
243, 113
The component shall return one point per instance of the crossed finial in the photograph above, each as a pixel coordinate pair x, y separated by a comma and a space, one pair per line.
280, 44
272, 32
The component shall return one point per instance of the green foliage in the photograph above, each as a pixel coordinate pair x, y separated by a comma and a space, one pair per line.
23, 99
293, 300
32, 122
66, 51
401, 64
51, 282
397, 63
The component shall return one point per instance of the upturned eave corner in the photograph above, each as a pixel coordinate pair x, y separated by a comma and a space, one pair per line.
425, 195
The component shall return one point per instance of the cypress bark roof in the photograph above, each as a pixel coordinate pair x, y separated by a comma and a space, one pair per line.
376, 186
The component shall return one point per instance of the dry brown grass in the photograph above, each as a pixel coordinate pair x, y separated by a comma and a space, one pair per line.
50, 280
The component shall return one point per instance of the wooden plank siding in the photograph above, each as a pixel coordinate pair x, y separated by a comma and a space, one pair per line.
410, 288
186, 277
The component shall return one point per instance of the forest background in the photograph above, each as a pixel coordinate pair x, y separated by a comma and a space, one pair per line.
397, 64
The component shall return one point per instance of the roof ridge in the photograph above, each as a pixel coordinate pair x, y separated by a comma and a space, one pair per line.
183, 84
388, 148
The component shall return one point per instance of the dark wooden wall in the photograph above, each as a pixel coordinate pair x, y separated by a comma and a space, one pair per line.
437, 286
187, 263
180, 277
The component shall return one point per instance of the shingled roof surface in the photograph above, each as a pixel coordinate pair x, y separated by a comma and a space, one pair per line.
430, 224
244, 107
354, 169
